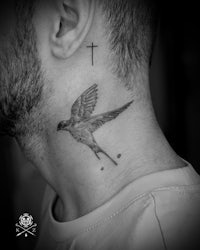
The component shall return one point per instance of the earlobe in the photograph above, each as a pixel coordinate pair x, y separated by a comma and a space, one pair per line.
73, 25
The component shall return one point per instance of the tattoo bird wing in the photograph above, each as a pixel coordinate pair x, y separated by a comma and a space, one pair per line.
85, 104
97, 121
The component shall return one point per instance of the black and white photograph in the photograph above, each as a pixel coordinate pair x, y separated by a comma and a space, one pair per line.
99, 125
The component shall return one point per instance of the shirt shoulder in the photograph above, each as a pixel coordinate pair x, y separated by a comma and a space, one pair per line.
177, 210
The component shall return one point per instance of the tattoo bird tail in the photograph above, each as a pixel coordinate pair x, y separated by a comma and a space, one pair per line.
97, 150
103, 152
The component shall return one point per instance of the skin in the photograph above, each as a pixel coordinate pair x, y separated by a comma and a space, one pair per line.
82, 125
69, 167
92, 53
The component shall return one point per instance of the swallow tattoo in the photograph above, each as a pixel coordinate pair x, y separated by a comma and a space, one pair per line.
82, 125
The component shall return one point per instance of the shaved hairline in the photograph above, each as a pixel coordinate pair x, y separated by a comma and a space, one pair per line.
130, 26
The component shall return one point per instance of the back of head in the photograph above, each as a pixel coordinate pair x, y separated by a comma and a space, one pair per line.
130, 27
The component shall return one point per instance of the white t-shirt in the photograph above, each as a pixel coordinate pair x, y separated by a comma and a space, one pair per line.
158, 211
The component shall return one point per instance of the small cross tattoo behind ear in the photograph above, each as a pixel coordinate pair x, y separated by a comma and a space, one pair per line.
92, 48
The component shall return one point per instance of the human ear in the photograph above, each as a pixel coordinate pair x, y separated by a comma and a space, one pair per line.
72, 26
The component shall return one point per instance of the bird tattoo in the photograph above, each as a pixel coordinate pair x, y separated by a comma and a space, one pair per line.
82, 124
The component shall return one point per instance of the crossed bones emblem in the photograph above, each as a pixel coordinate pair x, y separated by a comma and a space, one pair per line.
25, 225
25, 230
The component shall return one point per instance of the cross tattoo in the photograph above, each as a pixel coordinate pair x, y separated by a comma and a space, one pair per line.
92, 48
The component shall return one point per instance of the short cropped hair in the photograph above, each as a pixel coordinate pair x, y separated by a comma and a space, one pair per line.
131, 27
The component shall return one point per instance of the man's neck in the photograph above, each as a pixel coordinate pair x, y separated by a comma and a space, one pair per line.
139, 148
